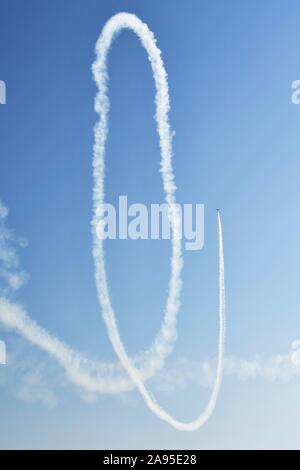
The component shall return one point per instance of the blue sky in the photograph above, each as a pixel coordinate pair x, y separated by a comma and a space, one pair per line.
230, 66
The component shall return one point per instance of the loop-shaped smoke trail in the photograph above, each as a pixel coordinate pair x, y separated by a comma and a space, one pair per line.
166, 337
162, 346
97, 376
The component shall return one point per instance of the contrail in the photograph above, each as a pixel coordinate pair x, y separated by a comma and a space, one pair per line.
91, 375
167, 335
95, 376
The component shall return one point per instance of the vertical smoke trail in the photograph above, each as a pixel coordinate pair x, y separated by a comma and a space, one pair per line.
204, 416
167, 335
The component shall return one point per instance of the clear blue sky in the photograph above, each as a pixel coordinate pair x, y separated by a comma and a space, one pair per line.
230, 66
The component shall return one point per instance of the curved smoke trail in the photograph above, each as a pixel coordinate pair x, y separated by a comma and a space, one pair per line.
96, 376
165, 339
101, 376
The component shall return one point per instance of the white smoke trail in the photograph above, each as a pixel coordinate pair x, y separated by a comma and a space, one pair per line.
152, 359
91, 375
166, 337
96, 376
100, 377
164, 342
11, 278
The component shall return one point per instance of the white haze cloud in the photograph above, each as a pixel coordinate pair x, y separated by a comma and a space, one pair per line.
183, 373
11, 278
33, 377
